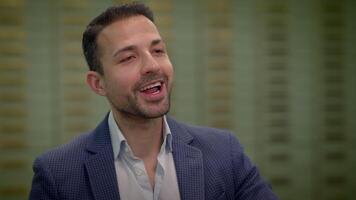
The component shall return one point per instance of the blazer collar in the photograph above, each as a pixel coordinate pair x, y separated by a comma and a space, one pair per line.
188, 161
187, 158
100, 164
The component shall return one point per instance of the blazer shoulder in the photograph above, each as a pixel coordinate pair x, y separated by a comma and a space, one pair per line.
76, 148
71, 150
209, 133
207, 137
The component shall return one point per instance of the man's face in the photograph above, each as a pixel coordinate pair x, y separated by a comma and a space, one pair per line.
138, 74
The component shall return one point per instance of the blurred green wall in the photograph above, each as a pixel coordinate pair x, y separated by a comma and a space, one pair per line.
279, 73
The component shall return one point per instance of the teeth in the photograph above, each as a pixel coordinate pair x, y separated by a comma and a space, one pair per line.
151, 86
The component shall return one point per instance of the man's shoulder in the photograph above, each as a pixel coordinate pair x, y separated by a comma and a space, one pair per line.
207, 136
206, 132
62, 166
74, 149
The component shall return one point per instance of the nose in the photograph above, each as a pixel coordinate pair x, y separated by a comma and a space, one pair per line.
149, 64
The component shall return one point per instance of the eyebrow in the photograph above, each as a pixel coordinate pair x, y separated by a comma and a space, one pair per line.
132, 47
156, 41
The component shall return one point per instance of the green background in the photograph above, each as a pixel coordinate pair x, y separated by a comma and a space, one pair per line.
278, 73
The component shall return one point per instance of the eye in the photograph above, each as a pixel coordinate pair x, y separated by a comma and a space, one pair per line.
126, 59
159, 51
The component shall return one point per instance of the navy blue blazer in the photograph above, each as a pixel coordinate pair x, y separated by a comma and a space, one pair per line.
210, 164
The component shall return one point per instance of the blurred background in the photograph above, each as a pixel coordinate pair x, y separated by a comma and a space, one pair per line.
278, 73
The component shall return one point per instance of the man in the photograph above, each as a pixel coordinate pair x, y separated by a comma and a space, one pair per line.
137, 152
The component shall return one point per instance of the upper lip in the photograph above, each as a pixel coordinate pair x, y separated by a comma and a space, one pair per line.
150, 83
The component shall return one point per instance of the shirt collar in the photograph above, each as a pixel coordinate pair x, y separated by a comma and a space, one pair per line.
118, 141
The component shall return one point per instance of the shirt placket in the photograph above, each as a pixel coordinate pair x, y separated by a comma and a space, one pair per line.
137, 168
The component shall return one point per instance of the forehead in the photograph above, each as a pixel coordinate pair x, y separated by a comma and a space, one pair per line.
128, 31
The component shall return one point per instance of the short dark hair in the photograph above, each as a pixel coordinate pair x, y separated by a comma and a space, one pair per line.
109, 16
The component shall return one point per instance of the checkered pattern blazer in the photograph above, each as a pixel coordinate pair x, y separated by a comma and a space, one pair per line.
210, 164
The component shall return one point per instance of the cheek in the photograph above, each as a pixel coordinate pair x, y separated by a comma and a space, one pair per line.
124, 82
169, 69
114, 84
171, 74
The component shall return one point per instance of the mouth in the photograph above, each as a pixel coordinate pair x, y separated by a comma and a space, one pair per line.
152, 88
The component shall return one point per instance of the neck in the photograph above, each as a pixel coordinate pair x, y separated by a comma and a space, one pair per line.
143, 135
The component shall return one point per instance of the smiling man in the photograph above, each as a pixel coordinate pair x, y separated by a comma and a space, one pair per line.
137, 152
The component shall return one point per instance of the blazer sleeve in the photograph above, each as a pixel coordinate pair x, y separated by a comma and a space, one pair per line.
43, 184
248, 182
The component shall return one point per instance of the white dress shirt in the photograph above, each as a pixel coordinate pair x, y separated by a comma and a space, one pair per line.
131, 174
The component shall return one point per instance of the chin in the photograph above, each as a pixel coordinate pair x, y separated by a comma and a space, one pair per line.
155, 113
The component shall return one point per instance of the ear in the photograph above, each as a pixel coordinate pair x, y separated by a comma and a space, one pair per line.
96, 82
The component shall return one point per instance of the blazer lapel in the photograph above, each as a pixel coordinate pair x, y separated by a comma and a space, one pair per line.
188, 162
100, 165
